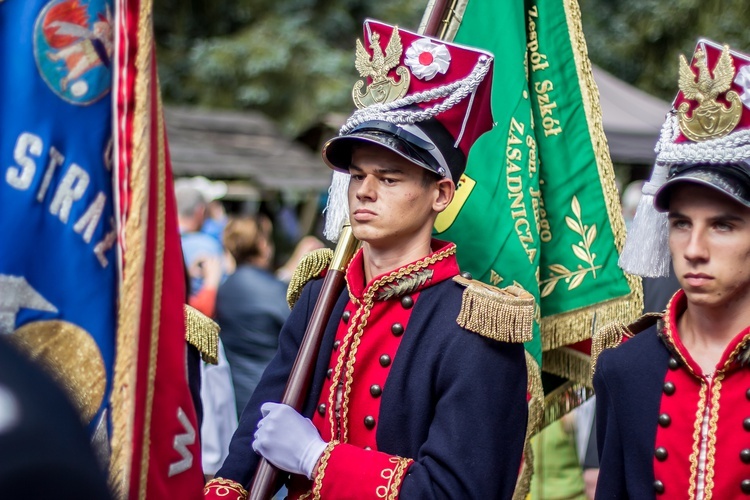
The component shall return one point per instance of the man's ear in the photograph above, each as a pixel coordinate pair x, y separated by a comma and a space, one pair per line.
445, 191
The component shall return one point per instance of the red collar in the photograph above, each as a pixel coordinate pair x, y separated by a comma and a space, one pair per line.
736, 350
438, 266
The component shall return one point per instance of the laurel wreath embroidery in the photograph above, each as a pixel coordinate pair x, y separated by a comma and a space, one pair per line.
582, 250
406, 285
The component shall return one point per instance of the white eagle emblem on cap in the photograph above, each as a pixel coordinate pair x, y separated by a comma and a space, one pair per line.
426, 59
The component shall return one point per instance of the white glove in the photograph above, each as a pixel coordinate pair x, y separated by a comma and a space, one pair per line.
288, 440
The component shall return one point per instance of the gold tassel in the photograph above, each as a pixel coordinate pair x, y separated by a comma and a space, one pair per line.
568, 363
606, 337
310, 267
536, 413
505, 315
203, 333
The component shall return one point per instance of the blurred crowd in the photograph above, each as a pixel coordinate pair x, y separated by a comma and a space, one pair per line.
231, 277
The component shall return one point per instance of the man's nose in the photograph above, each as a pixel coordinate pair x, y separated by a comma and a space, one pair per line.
696, 248
366, 189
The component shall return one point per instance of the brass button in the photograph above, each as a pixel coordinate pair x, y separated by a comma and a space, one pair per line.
397, 329
745, 456
385, 360
669, 388
369, 421
466, 275
658, 487
673, 364
746, 424
322, 409
407, 302
665, 420
329, 373
747, 394
745, 486
346, 316
336, 344
661, 453
375, 390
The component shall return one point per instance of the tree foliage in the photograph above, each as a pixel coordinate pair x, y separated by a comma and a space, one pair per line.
291, 59
640, 40
294, 59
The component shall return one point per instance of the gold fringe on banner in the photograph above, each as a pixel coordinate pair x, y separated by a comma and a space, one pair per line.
310, 267
568, 363
536, 413
506, 315
563, 400
202, 333
575, 326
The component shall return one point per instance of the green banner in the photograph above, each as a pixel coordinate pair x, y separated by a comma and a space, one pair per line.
538, 204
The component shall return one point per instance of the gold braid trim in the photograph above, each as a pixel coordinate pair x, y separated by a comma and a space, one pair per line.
536, 413
564, 399
320, 471
311, 266
711, 448
221, 487
568, 363
398, 476
360, 321
505, 315
697, 426
574, 326
202, 333
610, 336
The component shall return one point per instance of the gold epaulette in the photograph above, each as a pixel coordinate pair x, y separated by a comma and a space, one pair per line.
506, 314
226, 489
611, 335
311, 266
203, 333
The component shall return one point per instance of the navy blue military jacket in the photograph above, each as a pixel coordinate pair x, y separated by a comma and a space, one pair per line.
628, 385
487, 381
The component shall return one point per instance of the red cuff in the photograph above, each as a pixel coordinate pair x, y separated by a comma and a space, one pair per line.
224, 489
353, 472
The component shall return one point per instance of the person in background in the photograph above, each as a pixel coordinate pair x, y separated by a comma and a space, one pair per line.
672, 400
251, 304
415, 394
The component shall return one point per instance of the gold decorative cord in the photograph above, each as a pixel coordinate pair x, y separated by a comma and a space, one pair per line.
398, 476
202, 333
712, 424
310, 267
156, 299
321, 471
697, 426
223, 487
123, 399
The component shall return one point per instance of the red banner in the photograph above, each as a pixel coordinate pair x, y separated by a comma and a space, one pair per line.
155, 436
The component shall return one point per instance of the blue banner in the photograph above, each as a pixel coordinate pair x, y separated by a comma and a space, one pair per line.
58, 260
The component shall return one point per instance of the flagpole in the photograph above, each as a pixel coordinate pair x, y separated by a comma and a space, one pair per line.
435, 22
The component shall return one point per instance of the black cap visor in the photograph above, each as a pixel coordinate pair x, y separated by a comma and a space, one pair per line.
732, 180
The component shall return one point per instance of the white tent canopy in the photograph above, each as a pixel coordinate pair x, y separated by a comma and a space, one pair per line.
632, 119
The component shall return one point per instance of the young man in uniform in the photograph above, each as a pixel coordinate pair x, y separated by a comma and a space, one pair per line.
405, 402
673, 404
